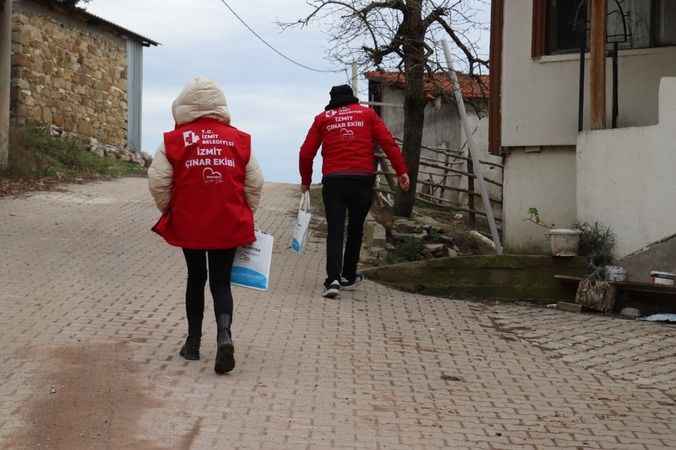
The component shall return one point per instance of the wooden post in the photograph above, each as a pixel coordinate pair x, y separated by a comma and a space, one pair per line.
447, 163
470, 200
473, 150
598, 64
5, 78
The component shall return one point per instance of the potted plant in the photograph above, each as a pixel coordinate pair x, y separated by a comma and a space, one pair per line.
564, 241
597, 244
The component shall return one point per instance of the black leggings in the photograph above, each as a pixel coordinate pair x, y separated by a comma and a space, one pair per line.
220, 266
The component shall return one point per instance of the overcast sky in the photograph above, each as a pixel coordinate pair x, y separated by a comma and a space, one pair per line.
269, 98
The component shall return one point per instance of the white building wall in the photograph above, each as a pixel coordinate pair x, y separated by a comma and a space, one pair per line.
544, 180
540, 109
626, 178
540, 97
442, 126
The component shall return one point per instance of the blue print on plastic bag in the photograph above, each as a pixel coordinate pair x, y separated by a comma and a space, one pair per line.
249, 278
295, 246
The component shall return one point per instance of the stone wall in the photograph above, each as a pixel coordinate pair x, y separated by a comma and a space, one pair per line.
68, 74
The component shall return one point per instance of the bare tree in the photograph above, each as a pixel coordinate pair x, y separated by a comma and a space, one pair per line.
402, 34
72, 2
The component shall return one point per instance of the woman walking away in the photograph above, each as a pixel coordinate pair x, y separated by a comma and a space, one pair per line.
207, 183
348, 134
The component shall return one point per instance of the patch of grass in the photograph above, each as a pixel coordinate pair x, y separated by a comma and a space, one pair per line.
34, 153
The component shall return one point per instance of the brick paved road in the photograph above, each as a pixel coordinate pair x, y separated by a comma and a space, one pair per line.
92, 317
631, 350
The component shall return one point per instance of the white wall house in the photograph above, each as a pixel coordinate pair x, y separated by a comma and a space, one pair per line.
442, 130
621, 176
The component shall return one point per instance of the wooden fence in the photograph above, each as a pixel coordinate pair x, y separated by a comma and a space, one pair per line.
437, 178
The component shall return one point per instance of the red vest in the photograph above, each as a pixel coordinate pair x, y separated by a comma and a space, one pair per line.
347, 136
208, 208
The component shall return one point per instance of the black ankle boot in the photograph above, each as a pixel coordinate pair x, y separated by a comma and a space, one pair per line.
225, 355
191, 348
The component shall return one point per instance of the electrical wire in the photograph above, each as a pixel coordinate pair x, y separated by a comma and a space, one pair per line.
260, 38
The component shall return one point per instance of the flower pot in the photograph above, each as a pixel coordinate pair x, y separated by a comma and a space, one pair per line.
565, 242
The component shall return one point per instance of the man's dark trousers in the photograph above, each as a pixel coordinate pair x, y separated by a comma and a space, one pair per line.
345, 196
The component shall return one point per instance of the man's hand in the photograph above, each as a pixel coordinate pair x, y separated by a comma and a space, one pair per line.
304, 188
404, 182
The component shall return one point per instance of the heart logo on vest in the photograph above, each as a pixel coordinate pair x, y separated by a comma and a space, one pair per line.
210, 175
190, 138
347, 134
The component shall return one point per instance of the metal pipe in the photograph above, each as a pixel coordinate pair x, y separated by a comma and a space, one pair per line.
616, 88
355, 79
583, 53
581, 21
597, 64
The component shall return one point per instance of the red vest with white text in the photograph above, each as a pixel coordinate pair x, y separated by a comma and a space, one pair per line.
208, 208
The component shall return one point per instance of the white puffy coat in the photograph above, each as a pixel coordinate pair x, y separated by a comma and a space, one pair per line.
200, 98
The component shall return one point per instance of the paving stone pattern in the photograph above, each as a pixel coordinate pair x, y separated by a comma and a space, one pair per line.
92, 318
632, 350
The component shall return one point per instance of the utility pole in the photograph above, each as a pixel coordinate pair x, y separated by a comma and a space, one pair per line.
5, 78
355, 80
473, 150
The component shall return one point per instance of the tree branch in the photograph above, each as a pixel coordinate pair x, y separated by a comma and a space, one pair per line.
377, 53
436, 14
472, 59
399, 5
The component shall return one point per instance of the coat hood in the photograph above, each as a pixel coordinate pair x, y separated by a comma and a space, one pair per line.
200, 98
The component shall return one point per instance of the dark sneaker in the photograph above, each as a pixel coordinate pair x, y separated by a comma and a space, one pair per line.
332, 290
350, 285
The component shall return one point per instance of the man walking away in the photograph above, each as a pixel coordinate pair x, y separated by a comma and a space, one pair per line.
348, 134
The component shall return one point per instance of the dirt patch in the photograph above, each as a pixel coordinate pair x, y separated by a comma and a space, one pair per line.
87, 397
16, 186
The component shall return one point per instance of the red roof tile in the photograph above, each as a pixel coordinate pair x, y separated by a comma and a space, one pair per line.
439, 84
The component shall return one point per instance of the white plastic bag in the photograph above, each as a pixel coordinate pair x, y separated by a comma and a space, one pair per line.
302, 225
251, 268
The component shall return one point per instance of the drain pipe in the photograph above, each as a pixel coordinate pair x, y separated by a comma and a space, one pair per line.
581, 21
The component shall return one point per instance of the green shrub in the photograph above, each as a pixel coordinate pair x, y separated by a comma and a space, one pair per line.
597, 243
